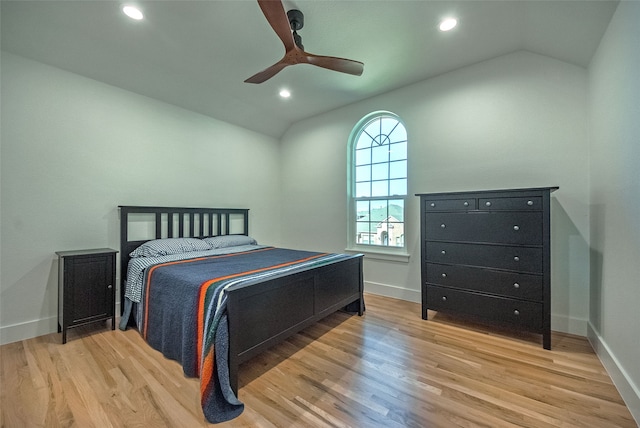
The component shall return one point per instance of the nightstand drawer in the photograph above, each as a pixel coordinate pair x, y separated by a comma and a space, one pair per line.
524, 228
500, 310
520, 259
508, 284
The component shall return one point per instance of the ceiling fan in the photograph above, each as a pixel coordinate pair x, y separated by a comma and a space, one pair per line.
286, 26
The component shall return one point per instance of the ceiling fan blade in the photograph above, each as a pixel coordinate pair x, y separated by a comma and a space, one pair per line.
342, 65
274, 11
277, 17
267, 73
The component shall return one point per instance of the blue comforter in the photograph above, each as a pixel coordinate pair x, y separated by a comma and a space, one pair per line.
185, 313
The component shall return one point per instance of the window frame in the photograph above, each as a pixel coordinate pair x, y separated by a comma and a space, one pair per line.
375, 251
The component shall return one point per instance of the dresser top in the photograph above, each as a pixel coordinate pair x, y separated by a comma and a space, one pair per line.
496, 191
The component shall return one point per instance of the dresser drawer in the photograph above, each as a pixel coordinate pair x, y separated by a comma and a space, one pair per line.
520, 259
520, 313
522, 204
450, 204
524, 228
508, 284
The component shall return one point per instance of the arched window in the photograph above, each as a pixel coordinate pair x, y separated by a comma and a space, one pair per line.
377, 181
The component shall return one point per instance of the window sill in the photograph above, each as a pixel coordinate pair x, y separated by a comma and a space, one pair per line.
400, 257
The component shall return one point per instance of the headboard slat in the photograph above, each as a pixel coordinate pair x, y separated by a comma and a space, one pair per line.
191, 223
201, 225
158, 225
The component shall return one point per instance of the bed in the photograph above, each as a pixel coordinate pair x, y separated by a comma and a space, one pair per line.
213, 309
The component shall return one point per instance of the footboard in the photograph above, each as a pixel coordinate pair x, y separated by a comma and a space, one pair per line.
282, 306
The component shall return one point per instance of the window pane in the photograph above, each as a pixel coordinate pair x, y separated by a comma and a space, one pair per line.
380, 154
366, 227
363, 156
379, 210
380, 171
397, 169
362, 211
396, 210
363, 190
390, 234
372, 129
388, 125
363, 173
364, 141
398, 187
380, 188
398, 151
398, 134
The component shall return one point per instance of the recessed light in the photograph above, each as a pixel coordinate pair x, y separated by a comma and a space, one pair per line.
448, 24
285, 93
133, 12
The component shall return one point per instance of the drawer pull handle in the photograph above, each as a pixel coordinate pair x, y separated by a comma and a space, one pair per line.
516, 227
530, 203
516, 259
443, 252
443, 225
433, 204
516, 312
466, 204
488, 203
444, 298
109, 286
444, 275
516, 285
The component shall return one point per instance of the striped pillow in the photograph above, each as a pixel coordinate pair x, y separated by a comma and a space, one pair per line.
169, 246
224, 241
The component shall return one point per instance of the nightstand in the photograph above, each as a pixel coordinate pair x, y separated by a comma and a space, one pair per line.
86, 288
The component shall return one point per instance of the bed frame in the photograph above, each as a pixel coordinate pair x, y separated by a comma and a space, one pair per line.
260, 315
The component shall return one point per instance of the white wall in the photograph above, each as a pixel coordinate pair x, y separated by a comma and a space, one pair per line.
73, 149
614, 90
516, 121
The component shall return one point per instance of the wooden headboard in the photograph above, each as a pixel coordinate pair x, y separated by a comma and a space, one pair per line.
141, 224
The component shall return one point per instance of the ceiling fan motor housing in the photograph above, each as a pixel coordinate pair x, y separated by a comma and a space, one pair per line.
296, 19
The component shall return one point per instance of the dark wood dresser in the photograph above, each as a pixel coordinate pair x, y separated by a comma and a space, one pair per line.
487, 255
86, 288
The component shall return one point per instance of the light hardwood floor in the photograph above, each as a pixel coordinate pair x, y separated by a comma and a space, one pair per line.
388, 368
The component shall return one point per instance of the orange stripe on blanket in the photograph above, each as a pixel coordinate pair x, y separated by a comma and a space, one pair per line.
207, 372
153, 268
201, 304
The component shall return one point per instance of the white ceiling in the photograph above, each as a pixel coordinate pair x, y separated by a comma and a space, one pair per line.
196, 54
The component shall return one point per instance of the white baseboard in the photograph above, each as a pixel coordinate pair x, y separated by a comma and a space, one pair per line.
569, 325
31, 329
628, 390
28, 330
392, 291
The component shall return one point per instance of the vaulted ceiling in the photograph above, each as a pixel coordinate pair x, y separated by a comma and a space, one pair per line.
196, 54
